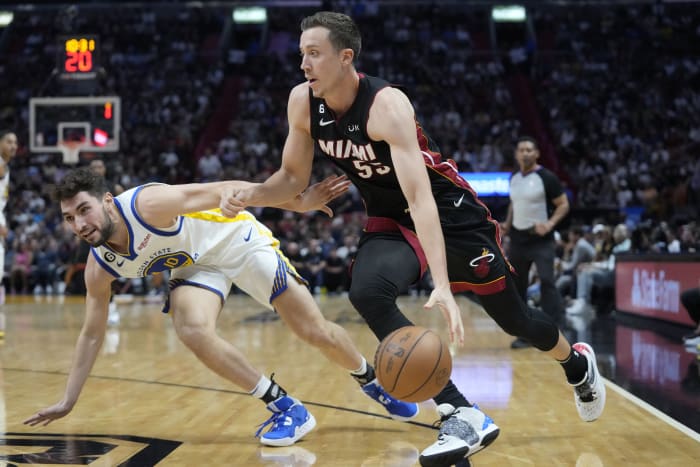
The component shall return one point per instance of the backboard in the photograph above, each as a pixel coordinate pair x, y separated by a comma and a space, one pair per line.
60, 124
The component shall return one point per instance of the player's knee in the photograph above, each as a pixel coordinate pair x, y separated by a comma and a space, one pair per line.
512, 330
517, 326
194, 336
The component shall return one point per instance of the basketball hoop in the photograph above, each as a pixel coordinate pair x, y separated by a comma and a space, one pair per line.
70, 150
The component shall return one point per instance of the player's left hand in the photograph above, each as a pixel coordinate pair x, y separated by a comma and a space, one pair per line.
49, 414
317, 196
444, 299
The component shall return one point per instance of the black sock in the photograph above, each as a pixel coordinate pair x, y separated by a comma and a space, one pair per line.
366, 377
274, 392
575, 366
451, 395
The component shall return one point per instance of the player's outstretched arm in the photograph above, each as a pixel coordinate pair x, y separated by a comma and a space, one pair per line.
392, 120
293, 176
315, 198
98, 283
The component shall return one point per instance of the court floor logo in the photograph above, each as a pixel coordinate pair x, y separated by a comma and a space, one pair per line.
17, 449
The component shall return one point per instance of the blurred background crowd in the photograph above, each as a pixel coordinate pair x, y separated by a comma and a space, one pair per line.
612, 96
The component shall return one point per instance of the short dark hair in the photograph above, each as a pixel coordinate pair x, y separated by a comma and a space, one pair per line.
528, 139
344, 33
82, 179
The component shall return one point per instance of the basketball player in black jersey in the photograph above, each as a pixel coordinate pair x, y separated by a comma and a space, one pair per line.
421, 213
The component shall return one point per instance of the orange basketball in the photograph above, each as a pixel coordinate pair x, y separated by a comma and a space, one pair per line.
413, 364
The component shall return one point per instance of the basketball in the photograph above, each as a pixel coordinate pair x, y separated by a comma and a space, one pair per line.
413, 364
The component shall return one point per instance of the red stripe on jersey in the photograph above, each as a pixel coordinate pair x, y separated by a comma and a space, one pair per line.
490, 288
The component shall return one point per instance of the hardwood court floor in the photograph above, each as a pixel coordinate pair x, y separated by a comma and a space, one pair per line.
150, 401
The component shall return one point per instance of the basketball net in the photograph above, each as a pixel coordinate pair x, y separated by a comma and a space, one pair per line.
71, 151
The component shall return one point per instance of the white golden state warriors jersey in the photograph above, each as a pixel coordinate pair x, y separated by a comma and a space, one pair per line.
208, 239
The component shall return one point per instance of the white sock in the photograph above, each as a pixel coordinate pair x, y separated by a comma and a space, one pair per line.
261, 388
362, 370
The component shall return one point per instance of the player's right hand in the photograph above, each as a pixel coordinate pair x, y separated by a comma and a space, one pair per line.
232, 201
49, 414
445, 300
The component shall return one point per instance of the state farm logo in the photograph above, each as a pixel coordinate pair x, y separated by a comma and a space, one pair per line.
144, 243
656, 292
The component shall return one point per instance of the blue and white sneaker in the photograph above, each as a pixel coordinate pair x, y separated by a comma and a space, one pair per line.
290, 422
398, 410
463, 431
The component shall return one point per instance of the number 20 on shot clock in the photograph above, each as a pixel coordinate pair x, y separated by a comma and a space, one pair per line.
78, 56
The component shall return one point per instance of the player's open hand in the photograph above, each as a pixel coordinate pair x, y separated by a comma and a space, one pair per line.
233, 201
49, 414
444, 299
317, 196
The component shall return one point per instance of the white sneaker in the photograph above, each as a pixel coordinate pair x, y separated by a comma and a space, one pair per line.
463, 432
578, 306
589, 395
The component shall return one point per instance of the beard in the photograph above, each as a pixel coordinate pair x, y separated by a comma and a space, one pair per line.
106, 230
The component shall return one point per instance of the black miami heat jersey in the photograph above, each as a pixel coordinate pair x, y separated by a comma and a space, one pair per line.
368, 163
474, 260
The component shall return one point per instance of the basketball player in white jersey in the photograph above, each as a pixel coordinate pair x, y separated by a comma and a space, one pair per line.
8, 149
158, 227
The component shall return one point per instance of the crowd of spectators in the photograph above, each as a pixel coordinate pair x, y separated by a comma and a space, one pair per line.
623, 105
618, 93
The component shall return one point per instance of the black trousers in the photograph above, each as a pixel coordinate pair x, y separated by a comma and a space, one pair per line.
527, 250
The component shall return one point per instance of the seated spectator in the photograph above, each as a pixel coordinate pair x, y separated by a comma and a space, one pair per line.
74, 278
44, 267
20, 270
335, 274
315, 265
602, 241
297, 257
578, 251
599, 273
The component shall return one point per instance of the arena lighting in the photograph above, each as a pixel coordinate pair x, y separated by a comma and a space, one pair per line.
6, 18
508, 14
250, 15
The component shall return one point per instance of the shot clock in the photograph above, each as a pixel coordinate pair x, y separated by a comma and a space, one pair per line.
78, 56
